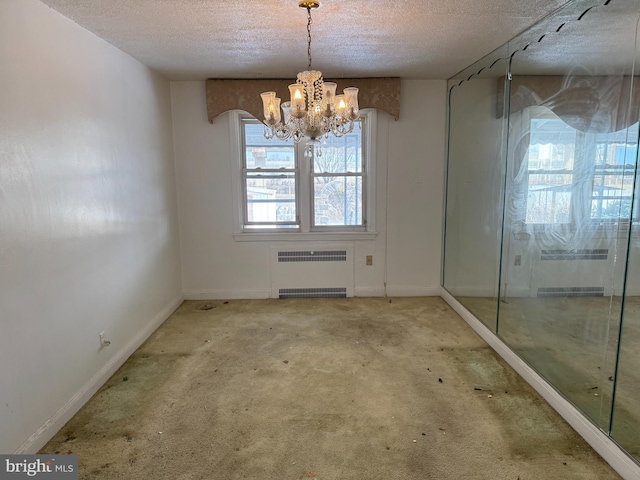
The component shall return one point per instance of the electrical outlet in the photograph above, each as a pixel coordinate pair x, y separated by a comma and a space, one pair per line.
369, 260
518, 260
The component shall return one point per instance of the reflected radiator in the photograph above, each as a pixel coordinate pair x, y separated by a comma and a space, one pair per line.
571, 273
307, 273
584, 254
570, 292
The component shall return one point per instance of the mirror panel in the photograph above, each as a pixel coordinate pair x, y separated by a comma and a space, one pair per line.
542, 202
475, 178
625, 426
570, 169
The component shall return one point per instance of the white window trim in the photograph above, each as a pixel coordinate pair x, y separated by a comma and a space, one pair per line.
305, 232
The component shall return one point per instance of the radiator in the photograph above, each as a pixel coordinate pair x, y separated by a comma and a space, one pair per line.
325, 272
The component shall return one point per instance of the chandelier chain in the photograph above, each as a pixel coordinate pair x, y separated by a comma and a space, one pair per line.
309, 36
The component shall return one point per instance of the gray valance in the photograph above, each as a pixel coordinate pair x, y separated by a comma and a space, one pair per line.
226, 94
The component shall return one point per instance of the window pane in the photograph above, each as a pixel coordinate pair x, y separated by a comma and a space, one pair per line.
338, 200
271, 199
271, 212
340, 155
270, 157
263, 153
254, 135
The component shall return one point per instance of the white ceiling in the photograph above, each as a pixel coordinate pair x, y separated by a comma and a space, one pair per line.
198, 39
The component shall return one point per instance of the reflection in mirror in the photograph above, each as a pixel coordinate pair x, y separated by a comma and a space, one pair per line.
475, 177
542, 188
570, 170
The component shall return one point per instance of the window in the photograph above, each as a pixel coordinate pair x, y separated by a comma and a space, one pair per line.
575, 177
281, 191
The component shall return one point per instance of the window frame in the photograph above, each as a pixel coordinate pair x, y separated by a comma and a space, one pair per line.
304, 194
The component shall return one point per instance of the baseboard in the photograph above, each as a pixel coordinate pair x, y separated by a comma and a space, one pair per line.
397, 292
368, 292
41, 436
411, 291
227, 294
615, 456
246, 294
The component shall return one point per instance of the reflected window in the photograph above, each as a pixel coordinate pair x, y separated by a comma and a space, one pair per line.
615, 159
574, 176
550, 171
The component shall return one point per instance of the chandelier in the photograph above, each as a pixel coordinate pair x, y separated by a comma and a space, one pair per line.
314, 109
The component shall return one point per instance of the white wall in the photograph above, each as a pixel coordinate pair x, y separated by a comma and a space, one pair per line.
217, 266
88, 216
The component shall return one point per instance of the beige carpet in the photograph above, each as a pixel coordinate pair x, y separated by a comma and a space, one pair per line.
339, 389
573, 343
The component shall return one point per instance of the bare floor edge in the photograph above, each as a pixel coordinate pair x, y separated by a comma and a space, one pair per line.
324, 388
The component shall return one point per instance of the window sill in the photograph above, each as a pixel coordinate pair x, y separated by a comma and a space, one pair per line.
303, 237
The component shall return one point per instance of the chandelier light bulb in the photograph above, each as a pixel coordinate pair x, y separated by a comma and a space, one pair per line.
271, 108
341, 105
296, 91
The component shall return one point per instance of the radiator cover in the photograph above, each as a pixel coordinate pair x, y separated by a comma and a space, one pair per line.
303, 272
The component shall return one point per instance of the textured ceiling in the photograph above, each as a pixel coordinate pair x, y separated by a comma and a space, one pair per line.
198, 39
